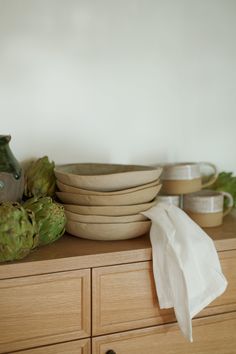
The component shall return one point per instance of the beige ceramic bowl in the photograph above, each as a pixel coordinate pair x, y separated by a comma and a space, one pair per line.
69, 189
118, 210
141, 196
106, 177
108, 232
99, 219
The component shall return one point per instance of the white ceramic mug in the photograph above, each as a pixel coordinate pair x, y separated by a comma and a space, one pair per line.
185, 177
169, 199
206, 207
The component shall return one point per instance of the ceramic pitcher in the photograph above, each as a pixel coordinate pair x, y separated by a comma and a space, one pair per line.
11, 173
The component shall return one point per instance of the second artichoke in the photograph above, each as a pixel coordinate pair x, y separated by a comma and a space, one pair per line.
50, 218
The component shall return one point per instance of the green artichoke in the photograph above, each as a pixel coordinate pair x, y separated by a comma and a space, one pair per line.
40, 179
18, 232
50, 218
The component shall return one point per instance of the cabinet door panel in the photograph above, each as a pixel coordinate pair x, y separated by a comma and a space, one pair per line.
211, 335
227, 301
81, 346
44, 309
124, 297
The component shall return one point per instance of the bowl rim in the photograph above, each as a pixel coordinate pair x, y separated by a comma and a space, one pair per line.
143, 168
108, 210
113, 219
83, 191
158, 186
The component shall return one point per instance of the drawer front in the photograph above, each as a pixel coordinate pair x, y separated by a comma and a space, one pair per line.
45, 309
81, 346
124, 297
211, 335
226, 302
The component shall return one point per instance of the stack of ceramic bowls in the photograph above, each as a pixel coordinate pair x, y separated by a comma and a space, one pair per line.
104, 201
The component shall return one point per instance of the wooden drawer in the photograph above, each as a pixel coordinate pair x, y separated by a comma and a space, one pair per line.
226, 302
44, 309
81, 346
124, 297
211, 335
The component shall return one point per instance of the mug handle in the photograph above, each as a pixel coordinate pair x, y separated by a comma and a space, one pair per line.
215, 174
231, 202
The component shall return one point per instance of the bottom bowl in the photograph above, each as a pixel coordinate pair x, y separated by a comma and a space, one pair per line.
108, 232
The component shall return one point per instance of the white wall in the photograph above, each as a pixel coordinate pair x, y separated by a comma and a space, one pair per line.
130, 81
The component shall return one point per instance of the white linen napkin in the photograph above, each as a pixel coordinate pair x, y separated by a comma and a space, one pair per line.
186, 266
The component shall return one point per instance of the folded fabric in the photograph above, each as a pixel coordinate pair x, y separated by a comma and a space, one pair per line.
186, 266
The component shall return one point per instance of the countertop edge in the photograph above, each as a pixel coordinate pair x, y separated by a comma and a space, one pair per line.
31, 268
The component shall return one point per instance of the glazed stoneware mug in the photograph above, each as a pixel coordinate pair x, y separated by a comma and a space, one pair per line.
206, 207
185, 177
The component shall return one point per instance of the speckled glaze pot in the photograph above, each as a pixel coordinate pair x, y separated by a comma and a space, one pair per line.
11, 173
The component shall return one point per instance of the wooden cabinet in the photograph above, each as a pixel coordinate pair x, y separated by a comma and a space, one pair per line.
44, 309
75, 292
212, 335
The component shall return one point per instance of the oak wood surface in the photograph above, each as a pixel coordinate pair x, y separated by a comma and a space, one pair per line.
70, 253
227, 301
44, 309
81, 346
124, 296
211, 335
45, 300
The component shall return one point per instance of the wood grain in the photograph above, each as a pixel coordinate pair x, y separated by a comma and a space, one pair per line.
211, 335
124, 297
45, 309
227, 301
45, 300
81, 346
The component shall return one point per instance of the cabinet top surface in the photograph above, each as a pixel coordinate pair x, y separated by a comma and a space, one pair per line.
70, 253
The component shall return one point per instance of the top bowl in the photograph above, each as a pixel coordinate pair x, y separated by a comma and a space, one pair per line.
106, 177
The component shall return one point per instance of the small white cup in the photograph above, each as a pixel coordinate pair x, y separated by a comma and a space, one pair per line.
206, 207
169, 199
